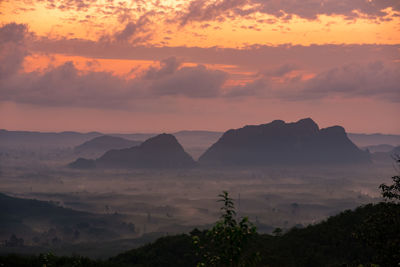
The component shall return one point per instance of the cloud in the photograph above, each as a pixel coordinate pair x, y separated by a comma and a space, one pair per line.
132, 29
283, 72
375, 79
255, 88
65, 85
65, 5
191, 82
201, 10
12, 48
257, 57
168, 66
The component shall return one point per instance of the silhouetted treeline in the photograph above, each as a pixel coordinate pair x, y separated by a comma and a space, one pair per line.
368, 235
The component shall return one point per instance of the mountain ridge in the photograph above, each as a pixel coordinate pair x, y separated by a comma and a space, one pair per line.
286, 143
161, 151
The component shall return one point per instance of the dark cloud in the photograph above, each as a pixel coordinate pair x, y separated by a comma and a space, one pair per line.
65, 85
191, 82
256, 88
131, 29
369, 71
310, 9
281, 70
64, 5
168, 66
257, 57
200, 10
12, 48
375, 79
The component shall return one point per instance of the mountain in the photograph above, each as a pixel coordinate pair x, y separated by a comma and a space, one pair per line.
194, 142
386, 156
99, 145
284, 143
82, 163
379, 148
161, 151
363, 140
35, 140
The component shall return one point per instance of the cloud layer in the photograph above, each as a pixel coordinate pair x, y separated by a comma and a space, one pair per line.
208, 10
292, 73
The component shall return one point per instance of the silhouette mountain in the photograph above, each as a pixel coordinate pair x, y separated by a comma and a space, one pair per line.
386, 156
41, 140
379, 148
284, 143
161, 151
82, 163
99, 145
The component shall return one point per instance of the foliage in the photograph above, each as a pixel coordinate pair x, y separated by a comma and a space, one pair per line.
49, 260
392, 192
380, 231
174, 251
362, 237
225, 244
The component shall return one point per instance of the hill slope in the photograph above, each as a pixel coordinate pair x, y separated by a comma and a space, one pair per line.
45, 223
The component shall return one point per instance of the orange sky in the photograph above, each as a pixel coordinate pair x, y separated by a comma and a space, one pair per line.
350, 41
90, 24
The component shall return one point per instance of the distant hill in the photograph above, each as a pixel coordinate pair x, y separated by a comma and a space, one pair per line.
363, 140
99, 145
379, 148
82, 163
194, 142
284, 143
36, 140
161, 151
385, 157
46, 223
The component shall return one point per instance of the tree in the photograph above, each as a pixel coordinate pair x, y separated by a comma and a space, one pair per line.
381, 229
392, 192
225, 244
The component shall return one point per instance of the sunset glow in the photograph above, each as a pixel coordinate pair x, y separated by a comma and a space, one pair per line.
247, 61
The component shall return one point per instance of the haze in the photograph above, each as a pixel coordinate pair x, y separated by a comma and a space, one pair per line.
132, 116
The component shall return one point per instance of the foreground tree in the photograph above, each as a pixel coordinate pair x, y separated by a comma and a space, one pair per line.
392, 192
381, 230
225, 244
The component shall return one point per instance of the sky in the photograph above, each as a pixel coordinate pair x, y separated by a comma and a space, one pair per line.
163, 66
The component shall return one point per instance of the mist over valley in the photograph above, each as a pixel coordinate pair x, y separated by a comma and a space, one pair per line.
143, 186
